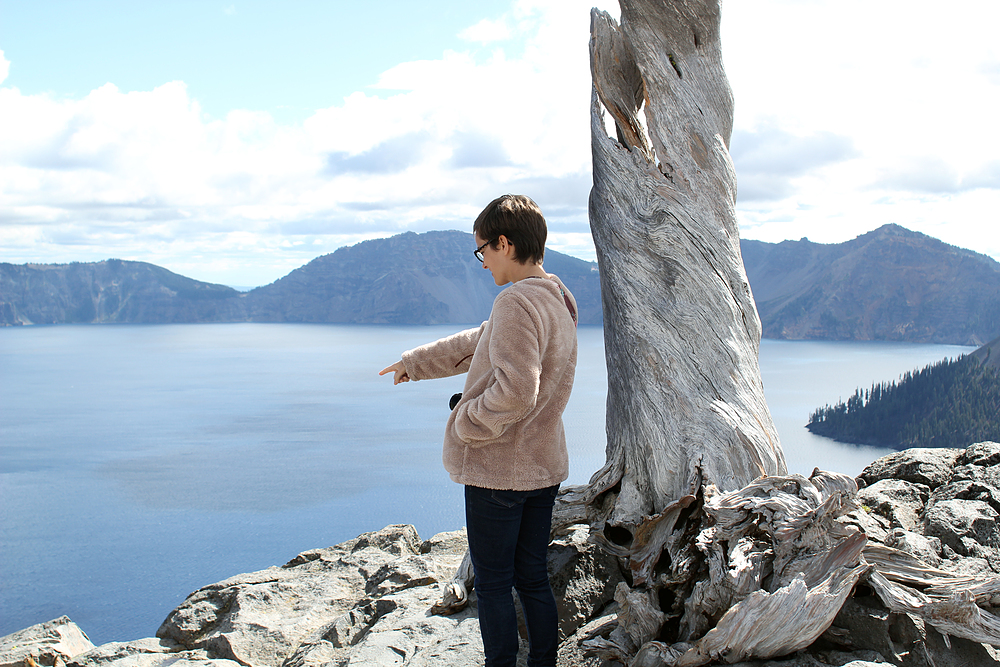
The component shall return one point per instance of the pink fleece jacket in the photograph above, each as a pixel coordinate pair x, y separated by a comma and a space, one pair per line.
507, 431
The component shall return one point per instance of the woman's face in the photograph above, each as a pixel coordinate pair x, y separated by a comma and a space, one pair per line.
497, 259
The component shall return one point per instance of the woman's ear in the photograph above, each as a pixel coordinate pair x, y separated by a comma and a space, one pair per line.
504, 244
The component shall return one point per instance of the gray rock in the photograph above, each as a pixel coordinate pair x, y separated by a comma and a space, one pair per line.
393, 624
927, 549
989, 475
932, 467
899, 501
966, 489
961, 653
44, 644
875, 526
452, 542
903, 639
402, 573
983, 454
571, 653
863, 623
147, 653
390, 621
967, 567
583, 578
822, 659
395, 629
260, 618
965, 526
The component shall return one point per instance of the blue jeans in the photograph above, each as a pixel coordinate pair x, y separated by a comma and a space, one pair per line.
509, 541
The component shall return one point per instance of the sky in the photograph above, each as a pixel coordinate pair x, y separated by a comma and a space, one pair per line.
235, 141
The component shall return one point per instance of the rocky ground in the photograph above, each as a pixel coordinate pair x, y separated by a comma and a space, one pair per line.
367, 601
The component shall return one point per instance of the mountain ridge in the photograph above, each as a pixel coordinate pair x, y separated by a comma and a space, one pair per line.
889, 284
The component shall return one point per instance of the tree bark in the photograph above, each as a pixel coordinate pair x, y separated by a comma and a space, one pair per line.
686, 403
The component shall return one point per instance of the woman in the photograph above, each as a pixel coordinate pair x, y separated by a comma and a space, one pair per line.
504, 439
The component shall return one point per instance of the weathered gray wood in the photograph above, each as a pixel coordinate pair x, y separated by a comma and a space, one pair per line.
778, 558
686, 404
765, 625
455, 593
957, 615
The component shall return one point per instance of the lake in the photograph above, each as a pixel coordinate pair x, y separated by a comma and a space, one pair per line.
139, 463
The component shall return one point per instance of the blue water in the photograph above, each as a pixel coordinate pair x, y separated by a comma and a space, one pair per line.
139, 463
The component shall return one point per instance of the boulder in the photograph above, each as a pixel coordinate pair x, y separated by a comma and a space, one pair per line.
931, 467
583, 579
395, 629
967, 489
393, 625
968, 567
44, 644
988, 475
901, 639
825, 659
863, 624
982, 454
968, 527
367, 602
898, 501
261, 618
927, 549
147, 653
389, 621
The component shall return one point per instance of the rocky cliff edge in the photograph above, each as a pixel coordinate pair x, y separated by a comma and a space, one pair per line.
367, 601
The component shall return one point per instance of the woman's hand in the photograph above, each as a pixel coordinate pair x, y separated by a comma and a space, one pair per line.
398, 372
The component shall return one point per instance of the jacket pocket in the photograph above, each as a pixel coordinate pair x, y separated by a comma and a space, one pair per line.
474, 431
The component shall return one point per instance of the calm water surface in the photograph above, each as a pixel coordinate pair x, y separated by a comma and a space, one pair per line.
139, 463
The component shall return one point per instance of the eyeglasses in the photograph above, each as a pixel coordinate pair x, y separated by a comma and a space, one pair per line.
479, 251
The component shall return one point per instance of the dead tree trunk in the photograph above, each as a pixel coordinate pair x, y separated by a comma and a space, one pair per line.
686, 404
730, 558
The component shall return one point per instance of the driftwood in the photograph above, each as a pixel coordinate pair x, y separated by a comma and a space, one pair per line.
769, 571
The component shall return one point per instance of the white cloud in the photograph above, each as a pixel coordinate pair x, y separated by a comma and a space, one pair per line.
147, 175
913, 89
770, 160
487, 31
838, 130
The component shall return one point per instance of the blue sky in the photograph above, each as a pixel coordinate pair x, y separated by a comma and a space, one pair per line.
235, 141
286, 58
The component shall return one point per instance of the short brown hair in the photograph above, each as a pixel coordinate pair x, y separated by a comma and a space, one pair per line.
519, 219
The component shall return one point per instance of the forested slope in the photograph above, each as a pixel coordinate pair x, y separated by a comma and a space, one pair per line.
947, 404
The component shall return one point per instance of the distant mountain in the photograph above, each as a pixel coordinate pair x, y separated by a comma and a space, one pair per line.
889, 284
429, 278
110, 291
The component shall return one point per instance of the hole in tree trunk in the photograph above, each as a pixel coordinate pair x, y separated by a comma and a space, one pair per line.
670, 629
618, 535
673, 63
